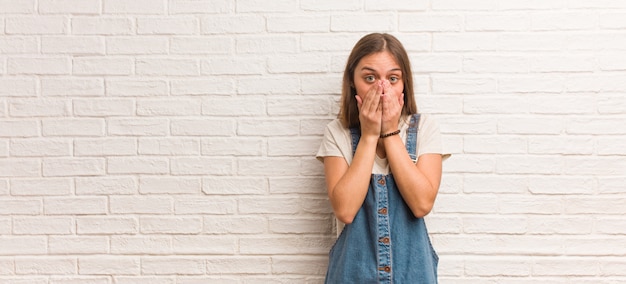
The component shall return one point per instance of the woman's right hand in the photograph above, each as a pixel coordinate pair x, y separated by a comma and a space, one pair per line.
370, 110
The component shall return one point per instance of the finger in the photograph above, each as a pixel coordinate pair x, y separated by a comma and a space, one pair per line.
359, 101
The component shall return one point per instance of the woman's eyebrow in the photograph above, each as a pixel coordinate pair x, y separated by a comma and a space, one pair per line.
372, 69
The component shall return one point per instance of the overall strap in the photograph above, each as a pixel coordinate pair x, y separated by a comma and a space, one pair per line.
355, 135
411, 138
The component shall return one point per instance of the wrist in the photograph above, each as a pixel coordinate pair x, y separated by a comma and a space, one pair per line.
389, 134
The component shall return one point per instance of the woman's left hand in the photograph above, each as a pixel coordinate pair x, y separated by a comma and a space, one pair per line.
392, 104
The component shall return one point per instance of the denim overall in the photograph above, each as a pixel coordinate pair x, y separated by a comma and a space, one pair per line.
385, 243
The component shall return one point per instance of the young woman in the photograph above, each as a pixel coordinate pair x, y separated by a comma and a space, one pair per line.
382, 162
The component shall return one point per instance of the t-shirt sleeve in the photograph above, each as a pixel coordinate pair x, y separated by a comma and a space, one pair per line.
329, 146
429, 141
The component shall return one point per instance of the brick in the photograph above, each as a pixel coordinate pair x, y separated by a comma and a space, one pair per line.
169, 146
476, 203
136, 45
546, 205
530, 125
234, 24
475, 6
202, 166
573, 63
20, 168
496, 64
221, 225
75, 205
329, 5
20, 7
239, 265
518, 41
41, 187
204, 205
43, 226
608, 185
561, 145
599, 83
202, 127
20, 206
564, 266
563, 21
498, 22
71, 87
140, 205
529, 165
508, 267
140, 165
495, 184
78, 244
167, 26
103, 107
106, 225
266, 44
266, 205
481, 144
472, 164
611, 146
465, 41
72, 127
40, 147
18, 45
300, 225
18, 87
264, 166
145, 280
197, 245
167, 67
594, 205
201, 45
138, 127
206, 86
553, 225
288, 24
302, 106
102, 66
284, 245
268, 127
39, 66
113, 265
467, 84
169, 185
141, 245
47, 265
69, 7
23, 245
105, 185
327, 42
308, 185
227, 106
136, 88
309, 64
169, 107
172, 265
277, 147
494, 225
599, 126
38, 108
381, 22
39, 25
80, 280
171, 225
413, 22
233, 66
102, 26
105, 147
135, 7
75, 45
234, 185
200, 6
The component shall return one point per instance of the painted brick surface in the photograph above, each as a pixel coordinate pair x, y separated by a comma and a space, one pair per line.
172, 141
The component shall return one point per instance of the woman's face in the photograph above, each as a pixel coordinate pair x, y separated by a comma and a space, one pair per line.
376, 67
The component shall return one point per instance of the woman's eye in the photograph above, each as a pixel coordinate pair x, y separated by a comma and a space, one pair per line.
394, 79
370, 79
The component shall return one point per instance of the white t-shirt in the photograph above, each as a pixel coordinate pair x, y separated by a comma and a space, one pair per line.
337, 141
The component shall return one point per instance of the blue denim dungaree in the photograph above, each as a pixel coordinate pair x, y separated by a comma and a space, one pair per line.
385, 243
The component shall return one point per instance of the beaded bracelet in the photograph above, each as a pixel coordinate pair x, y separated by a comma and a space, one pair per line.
390, 134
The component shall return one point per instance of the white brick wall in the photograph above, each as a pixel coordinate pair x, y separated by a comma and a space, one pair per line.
172, 141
